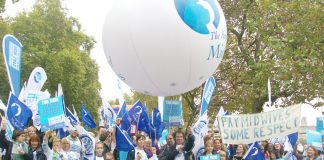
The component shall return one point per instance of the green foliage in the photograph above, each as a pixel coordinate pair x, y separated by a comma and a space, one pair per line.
4, 87
2, 6
276, 40
55, 42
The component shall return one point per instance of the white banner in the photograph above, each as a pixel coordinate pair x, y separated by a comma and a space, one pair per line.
249, 128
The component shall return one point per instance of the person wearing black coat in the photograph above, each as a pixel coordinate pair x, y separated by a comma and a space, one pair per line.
35, 152
182, 147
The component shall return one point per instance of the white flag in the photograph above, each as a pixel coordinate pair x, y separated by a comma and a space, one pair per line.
36, 79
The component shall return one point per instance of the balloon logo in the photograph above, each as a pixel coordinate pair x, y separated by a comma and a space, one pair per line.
164, 48
201, 16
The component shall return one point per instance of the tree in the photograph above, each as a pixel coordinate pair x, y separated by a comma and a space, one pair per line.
55, 42
276, 40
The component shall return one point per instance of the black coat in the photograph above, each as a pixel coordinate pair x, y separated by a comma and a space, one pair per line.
39, 154
189, 144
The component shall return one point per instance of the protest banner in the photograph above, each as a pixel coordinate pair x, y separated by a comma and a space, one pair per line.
51, 113
314, 139
172, 113
247, 128
210, 157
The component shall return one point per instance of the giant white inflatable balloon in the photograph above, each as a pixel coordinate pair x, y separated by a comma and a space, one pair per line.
164, 47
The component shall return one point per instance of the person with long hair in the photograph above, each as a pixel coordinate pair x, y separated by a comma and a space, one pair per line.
279, 149
312, 154
240, 152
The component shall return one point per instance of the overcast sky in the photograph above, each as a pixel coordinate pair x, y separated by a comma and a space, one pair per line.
91, 15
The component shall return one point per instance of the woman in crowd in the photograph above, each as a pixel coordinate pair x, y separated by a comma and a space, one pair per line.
267, 150
138, 152
65, 152
278, 148
240, 151
311, 154
35, 151
208, 146
18, 149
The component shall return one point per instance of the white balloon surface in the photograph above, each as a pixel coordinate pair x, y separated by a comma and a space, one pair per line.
164, 47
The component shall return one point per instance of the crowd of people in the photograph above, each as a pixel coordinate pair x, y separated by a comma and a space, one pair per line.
30, 144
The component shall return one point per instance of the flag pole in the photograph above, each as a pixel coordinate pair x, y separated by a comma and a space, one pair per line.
269, 92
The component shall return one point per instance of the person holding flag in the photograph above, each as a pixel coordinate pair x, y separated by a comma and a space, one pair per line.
138, 152
182, 148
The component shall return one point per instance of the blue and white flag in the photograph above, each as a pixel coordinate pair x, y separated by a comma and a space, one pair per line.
73, 120
200, 130
210, 85
107, 116
126, 123
135, 112
12, 52
87, 141
144, 122
75, 114
289, 145
157, 123
122, 111
18, 113
254, 153
87, 118
124, 141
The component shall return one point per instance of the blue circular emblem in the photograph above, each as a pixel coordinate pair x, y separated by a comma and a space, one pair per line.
37, 77
88, 144
198, 14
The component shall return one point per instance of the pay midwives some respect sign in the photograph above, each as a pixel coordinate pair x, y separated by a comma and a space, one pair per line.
248, 128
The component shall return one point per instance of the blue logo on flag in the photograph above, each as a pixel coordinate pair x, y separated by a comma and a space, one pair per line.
254, 153
37, 77
18, 113
87, 118
198, 14
88, 144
